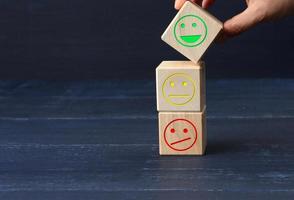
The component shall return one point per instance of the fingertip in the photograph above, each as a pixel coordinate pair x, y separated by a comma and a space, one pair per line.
244, 21
179, 4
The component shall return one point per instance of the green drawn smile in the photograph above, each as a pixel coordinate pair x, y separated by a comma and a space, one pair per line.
191, 38
194, 28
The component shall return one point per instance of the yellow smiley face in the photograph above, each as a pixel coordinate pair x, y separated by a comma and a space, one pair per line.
178, 89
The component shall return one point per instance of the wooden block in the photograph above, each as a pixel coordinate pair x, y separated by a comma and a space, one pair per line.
182, 133
180, 86
192, 31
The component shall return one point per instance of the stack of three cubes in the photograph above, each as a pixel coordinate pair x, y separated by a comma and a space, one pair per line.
180, 85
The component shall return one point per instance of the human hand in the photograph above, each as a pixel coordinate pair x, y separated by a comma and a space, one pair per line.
257, 11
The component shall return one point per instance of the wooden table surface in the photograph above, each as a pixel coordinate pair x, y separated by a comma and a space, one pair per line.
99, 140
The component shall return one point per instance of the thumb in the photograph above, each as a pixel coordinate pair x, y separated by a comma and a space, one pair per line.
243, 21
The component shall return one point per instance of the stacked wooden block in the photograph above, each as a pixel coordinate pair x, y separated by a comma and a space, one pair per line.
180, 85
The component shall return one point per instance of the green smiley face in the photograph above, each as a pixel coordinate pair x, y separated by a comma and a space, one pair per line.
190, 31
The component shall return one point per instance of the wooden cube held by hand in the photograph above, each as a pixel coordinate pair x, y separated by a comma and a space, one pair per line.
192, 31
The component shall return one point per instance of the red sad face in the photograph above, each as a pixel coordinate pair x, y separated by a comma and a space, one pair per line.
180, 134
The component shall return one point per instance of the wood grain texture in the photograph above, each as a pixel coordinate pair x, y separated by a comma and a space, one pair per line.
182, 133
180, 86
192, 31
81, 140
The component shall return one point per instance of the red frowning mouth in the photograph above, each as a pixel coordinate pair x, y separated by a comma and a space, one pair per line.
183, 140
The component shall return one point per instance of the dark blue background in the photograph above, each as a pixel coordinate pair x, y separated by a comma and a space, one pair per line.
58, 39
98, 139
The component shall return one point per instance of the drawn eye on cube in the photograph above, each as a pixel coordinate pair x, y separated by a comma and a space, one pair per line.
180, 86
192, 31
